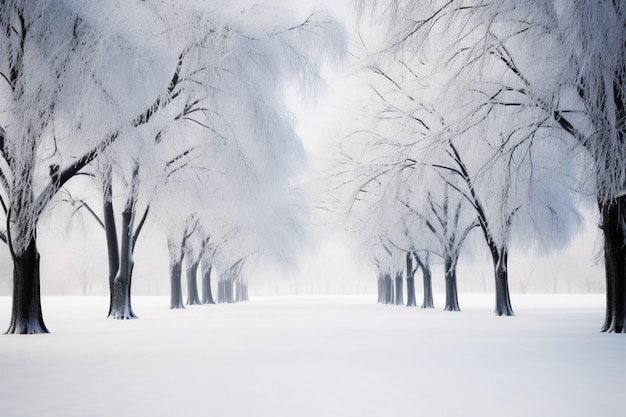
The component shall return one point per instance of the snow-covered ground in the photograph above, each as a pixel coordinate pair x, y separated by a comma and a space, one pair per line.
307, 356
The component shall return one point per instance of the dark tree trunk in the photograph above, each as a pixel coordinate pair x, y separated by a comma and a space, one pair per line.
221, 291
501, 273
192, 284
452, 297
177, 254
388, 290
410, 292
381, 291
613, 215
120, 306
26, 315
399, 298
427, 278
410, 282
207, 294
110, 231
176, 288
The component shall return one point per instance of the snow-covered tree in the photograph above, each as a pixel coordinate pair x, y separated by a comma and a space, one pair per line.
449, 93
574, 83
577, 79
81, 79
74, 79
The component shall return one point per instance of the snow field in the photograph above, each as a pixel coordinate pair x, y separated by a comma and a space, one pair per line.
315, 356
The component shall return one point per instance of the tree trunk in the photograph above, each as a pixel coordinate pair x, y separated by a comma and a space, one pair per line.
120, 307
410, 292
207, 294
176, 288
399, 299
381, 293
26, 314
230, 290
388, 288
192, 283
452, 298
221, 290
501, 273
613, 215
110, 231
410, 282
237, 290
427, 278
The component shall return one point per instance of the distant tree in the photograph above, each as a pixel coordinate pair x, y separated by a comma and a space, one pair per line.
228, 279
193, 261
423, 261
177, 246
206, 266
496, 233
447, 107
410, 281
451, 228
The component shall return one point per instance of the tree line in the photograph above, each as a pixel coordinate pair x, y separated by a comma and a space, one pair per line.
500, 119
175, 114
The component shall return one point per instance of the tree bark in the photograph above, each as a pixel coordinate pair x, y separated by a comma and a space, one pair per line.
410, 290
192, 283
613, 215
110, 231
399, 298
230, 290
120, 306
381, 293
424, 264
427, 279
241, 290
207, 294
410, 282
452, 297
176, 288
26, 314
501, 273
221, 290
388, 290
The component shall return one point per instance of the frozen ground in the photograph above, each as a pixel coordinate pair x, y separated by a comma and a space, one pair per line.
316, 357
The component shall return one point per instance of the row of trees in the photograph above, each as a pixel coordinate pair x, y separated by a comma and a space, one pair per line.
498, 117
174, 113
